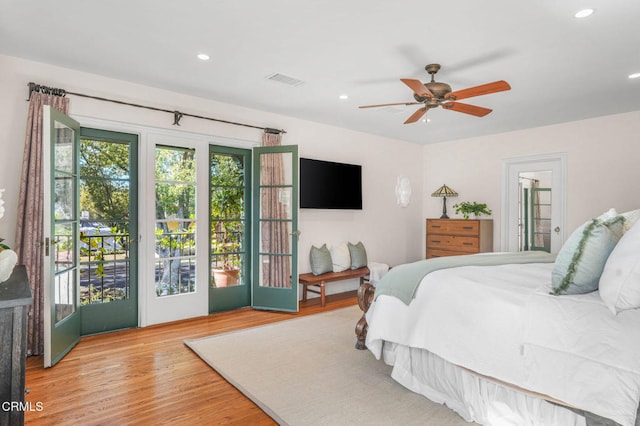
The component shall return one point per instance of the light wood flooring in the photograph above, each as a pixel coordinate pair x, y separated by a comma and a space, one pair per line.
147, 376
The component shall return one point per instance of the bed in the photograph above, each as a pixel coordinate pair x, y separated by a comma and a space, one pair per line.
503, 339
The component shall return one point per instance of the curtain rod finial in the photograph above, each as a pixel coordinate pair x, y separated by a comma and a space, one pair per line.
177, 115
273, 131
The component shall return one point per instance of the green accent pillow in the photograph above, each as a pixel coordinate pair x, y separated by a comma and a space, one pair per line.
320, 259
358, 255
581, 259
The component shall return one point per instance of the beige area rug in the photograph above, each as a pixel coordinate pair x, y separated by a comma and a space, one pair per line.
306, 371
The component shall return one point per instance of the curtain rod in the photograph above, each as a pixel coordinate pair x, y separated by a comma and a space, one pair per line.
177, 115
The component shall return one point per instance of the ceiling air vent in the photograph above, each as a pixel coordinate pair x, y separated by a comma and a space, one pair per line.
284, 79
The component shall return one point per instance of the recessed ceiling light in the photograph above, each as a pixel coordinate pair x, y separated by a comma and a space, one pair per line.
203, 56
584, 13
635, 75
344, 97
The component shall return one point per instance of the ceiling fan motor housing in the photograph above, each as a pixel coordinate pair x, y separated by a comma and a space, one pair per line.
438, 89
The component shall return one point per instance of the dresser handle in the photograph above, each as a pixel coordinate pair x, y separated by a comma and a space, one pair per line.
435, 241
467, 244
467, 227
435, 226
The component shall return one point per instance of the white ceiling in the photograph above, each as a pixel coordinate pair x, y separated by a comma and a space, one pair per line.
560, 68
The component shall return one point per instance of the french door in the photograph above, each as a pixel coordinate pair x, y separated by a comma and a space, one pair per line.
61, 224
275, 224
108, 164
174, 231
230, 228
207, 253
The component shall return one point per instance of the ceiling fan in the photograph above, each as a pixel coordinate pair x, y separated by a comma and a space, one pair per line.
435, 94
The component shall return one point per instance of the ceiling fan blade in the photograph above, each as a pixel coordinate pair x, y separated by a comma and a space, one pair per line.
416, 115
417, 86
467, 109
382, 105
483, 89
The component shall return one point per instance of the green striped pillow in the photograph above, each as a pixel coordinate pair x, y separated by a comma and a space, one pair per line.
581, 259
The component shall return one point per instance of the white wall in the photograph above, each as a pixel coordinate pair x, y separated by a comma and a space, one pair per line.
602, 166
390, 233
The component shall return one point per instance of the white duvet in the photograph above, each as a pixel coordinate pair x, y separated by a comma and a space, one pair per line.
500, 321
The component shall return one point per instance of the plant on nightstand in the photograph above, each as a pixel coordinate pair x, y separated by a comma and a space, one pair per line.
467, 208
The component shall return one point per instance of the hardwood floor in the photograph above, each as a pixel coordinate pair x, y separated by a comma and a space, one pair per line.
148, 376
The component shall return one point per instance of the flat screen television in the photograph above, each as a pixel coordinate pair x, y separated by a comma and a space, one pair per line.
329, 185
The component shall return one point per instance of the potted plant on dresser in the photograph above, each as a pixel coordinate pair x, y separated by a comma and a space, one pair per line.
468, 208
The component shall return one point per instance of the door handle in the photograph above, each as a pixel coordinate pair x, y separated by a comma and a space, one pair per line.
557, 229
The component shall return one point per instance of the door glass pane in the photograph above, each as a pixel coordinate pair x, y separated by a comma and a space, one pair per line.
541, 218
63, 245
276, 203
273, 270
175, 220
65, 196
276, 168
63, 150
228, 219
270, 229
105, 181
275, 219
64, 297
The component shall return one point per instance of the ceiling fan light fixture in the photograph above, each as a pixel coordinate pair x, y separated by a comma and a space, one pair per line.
583, 13
634, 75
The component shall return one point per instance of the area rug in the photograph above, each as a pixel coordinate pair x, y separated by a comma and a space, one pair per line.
306, 371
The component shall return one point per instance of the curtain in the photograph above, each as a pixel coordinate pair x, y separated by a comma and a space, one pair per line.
274, 234
30, 234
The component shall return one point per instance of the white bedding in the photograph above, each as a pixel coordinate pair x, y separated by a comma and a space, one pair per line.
501, 322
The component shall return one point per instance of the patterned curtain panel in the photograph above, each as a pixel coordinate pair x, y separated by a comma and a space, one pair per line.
30, 234
275, 235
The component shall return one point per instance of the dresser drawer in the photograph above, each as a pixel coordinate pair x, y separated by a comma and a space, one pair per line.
431, 253
454, 243
453, 227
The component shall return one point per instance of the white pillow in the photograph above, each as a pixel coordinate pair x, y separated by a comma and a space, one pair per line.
620, 280
630, 218
340, 257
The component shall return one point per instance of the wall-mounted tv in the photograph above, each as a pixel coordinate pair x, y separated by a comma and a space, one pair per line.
329, 185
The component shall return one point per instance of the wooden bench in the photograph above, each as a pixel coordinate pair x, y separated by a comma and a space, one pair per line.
310, 280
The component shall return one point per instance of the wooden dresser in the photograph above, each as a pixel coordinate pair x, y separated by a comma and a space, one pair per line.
15, 298
452, 237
